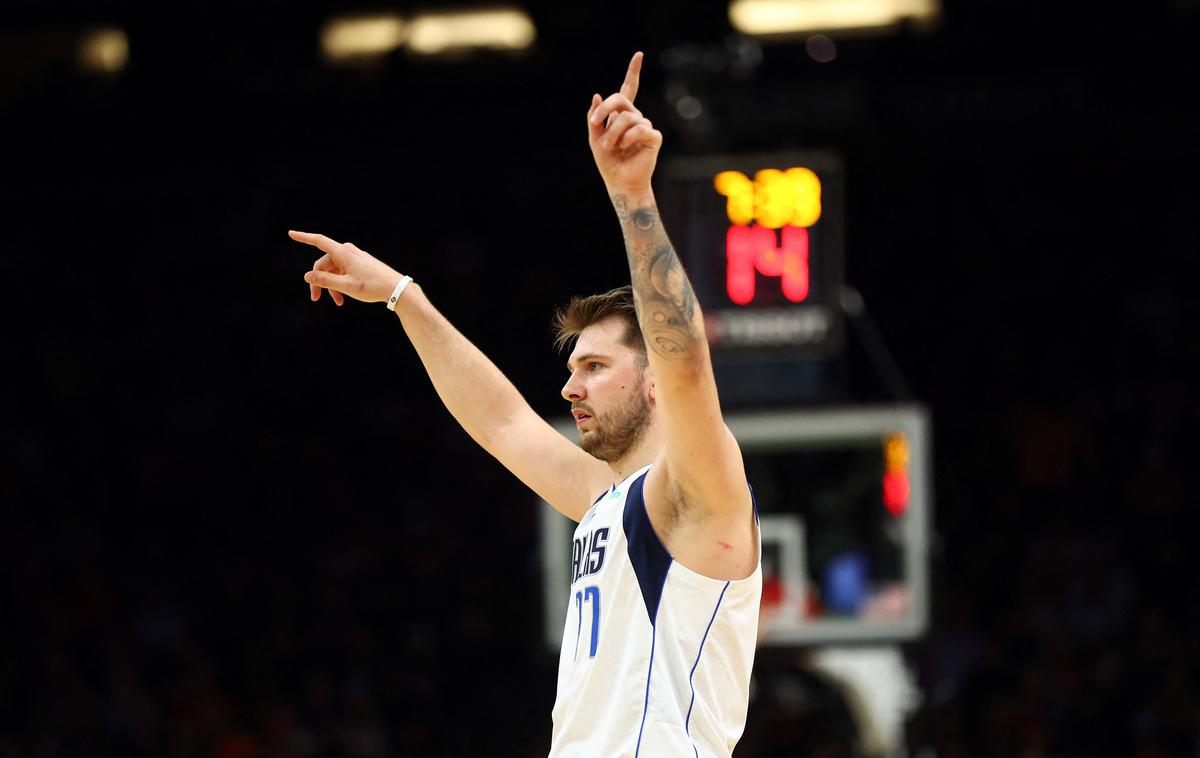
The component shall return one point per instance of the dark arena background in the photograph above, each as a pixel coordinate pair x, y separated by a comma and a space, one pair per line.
240, 524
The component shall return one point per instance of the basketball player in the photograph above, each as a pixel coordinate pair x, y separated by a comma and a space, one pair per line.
662, 616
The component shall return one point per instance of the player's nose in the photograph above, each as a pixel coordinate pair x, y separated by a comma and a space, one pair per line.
573, 390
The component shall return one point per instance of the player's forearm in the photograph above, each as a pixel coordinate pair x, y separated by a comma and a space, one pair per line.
476, 393
668, 313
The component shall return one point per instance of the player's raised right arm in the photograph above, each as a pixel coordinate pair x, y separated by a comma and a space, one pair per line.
483, 401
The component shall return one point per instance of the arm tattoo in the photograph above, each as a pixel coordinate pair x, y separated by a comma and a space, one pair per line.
666, 305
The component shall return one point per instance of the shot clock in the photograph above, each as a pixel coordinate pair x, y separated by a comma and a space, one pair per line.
761, 238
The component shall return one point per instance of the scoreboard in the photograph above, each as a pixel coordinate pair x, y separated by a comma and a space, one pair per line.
761, 238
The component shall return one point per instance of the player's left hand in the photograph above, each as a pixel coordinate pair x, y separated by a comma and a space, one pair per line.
624, 142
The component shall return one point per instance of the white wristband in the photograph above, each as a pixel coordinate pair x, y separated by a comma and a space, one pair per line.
391, 303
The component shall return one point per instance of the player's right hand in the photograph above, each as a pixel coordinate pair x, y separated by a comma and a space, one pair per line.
346, 270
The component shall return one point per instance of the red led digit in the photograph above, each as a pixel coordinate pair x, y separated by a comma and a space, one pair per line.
794, 274
742, 244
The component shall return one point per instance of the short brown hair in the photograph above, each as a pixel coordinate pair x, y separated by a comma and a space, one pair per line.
582, 312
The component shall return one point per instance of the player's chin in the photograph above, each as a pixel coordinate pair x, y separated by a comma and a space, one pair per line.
590, 441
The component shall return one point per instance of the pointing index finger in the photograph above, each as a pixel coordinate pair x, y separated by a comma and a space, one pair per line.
633, 76
316, 240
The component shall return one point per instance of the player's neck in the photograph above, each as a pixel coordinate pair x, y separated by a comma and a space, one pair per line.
639, 456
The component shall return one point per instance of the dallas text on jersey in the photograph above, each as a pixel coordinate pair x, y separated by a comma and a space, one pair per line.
587, 554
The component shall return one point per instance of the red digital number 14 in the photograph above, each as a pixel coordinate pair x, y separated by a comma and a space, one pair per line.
756, 249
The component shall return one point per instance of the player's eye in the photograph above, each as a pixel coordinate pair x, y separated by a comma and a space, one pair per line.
593, 366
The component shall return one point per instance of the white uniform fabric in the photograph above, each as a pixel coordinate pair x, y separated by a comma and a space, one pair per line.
655, 658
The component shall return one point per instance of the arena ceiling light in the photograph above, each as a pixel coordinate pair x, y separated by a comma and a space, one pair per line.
775, 18
349, 39
441, 32
103, 51
357, 38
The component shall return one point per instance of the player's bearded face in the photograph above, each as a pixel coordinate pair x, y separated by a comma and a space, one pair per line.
616, 431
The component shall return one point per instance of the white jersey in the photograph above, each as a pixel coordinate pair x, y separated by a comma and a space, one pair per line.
655, 658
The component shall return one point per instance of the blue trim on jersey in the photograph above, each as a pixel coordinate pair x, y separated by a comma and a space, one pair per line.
650, 669
579, 626
646, 552
687, 723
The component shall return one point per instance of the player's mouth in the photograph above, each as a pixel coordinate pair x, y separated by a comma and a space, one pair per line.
581, 417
